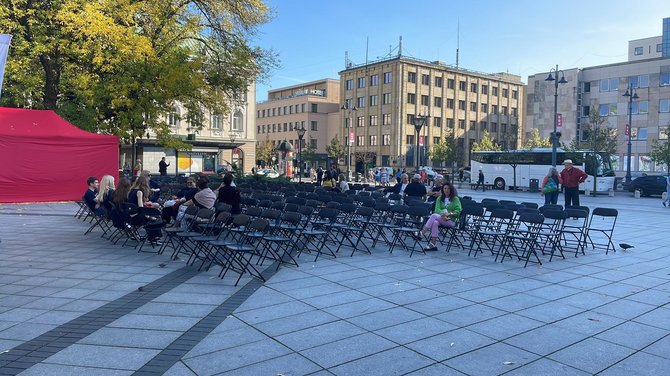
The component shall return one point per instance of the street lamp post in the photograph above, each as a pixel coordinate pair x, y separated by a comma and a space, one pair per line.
349, 112
631, 94
555, 136
301, 134
418, 122
232, 136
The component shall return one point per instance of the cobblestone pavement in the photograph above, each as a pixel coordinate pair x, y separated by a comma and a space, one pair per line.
74, 304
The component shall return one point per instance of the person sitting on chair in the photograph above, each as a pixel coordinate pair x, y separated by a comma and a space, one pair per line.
447, 210
91, 192
415, 188
229, 194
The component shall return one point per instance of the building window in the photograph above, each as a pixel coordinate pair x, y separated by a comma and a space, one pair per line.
607, 109
462, 85
586, 87
664, 105
388, 77
290, 126
410, 139
485, 89
494, 127
438, 81
386, 98
173, 117
461, 105
285, 127
482, 125
386, 119
638, 51
438, 101
373, 100
373, 140
664, 79
641, 107
473, 106
258, 129
386, 139
659, 47
349, 84
274, 128
450, 83
611, 84
315, 126
347, 103
461, 123
238, 121
494, 109
641, 134
515, 94
473, 125
360, 121
437, 122
425, 100
411, 98
360, 102
361, 82
347, 122
586, 110
425, 79
473, 88
411, 77
485, 108
450, 103
450, 123
297, 108
514, 111
285, 110
505, 93
410, 118
504, 110
436, 140
360, 140
315, 108
373, 120
494, 91
374, 80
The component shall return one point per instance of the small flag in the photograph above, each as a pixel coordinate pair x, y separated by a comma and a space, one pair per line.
4, 49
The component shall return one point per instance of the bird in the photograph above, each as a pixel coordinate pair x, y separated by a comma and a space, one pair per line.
162, 265
141, 288
625, 246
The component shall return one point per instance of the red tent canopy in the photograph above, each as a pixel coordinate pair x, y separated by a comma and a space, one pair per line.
45, 158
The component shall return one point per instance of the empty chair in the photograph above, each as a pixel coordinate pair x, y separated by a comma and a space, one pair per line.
602, 222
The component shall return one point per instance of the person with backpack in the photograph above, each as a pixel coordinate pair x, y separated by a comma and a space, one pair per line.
550, 186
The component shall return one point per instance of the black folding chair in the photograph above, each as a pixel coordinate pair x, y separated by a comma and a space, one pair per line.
603, 221
522, 238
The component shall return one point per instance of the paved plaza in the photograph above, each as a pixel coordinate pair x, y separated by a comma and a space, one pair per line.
74, 304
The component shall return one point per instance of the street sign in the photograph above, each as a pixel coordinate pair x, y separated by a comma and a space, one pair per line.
559, 122
627, 129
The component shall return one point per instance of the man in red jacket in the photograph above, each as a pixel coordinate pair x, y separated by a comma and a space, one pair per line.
571, 178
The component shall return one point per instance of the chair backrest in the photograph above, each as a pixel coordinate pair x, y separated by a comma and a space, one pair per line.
550, 207
271, 214
328, 213
576, 213
259, 225
291, 207
502, 213
527, 210
555, 214
364, 211
254, 211
306, 211
291, 217
506, 202
531, 205
333, 204
223, 217
241, 220
223, 207
579, 207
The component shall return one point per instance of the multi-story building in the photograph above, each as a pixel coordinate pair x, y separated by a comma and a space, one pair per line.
647, 72
218, 139
313, 106
380, 99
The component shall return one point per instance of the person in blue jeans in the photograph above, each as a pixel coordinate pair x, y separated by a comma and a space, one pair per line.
667, 190
550, 186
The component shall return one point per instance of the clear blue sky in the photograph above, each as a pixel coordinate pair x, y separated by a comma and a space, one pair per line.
522, 37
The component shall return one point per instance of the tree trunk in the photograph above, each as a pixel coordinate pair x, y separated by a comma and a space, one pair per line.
52, 72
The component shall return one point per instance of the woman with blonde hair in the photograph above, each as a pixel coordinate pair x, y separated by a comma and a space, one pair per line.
550, 186
105, 195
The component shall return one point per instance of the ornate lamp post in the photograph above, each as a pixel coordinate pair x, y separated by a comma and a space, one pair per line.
349, 115
555, 136
301, 134
418, 121
631, 94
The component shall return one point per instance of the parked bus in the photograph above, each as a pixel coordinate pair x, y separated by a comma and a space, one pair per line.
535, 163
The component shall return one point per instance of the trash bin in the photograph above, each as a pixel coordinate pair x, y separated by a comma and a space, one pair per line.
534, 185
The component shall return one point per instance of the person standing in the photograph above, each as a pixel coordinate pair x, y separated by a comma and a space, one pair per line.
571, 177
667, 189
319, 176
480, 180
138, 167
162, 167
549, 186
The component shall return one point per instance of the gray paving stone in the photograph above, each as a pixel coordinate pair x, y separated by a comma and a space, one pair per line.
382, 319
394, 361
437, 369
415, 330
505, 326
412, 296
589, 322
287, 365
133, 321
336, 298
546, 367
273, 312
296, 322
439, 305
592, 355
227, 339
44, 369
450, 344
25, 331
483, 294
175, 309
235, 357
140, 338
546, 339
515, 302
634, 335
491, 360
345, 350
639, 364
179, 369
388, 288
318, 335
102, 356
470, 314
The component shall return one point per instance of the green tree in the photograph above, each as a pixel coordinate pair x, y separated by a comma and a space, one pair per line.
485, 144
446, 151
660, 151
535, 141
335, 149
118, 66
598, 139
309, 151
265, 152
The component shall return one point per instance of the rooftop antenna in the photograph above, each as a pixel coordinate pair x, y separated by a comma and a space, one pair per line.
458, 40
400, 47
347, 63
367, 45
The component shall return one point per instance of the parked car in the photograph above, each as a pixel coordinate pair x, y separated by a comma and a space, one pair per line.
648, 185
268, 173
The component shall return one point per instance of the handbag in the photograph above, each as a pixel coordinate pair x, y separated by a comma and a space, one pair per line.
551, 186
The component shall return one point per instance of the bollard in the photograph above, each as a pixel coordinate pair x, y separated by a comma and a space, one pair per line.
637, 194
610, 192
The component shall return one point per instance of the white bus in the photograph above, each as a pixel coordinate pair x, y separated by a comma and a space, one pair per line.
535, 163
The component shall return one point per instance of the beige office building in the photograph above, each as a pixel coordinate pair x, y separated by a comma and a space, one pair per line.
647, 72
381, 98
313, 106
218, 139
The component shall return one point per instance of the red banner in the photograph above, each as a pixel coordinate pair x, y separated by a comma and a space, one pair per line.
559, 121
627, 129
351, 136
